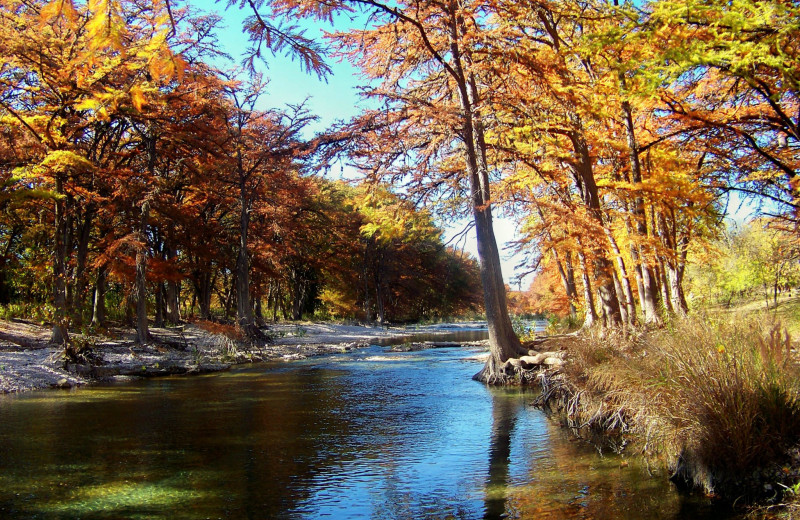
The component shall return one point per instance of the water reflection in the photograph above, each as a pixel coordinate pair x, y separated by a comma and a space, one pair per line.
367, 435
504, 416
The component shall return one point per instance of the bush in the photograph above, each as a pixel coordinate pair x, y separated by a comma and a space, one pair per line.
733, 399
720, 400
38, 312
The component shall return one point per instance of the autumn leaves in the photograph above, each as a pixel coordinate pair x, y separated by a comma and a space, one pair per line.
611, 132
141, 178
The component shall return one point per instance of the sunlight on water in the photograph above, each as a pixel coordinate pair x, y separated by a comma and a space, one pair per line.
370, 434
118, 497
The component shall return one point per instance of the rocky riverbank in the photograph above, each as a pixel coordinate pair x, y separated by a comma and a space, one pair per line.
28, 362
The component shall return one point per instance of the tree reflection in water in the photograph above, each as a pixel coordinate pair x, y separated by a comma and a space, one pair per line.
504, 417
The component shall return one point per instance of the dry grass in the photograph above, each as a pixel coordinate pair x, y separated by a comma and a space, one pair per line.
718, 398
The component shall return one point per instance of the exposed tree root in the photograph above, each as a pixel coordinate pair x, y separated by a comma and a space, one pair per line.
510, 372
519, 370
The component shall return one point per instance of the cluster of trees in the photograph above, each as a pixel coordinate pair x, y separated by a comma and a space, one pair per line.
134, 172
630, 126
612, 131
639, 123
761, 257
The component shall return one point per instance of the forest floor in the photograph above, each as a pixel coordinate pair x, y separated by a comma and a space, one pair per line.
28, 361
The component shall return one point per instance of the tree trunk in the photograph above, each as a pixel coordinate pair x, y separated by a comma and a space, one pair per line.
380, 296
173, 292
297, 304
81, 282
623, 307
567, 280
160, 305
244, 311
676, 285
369, 245
173, 302
590, 316
60, 336
503, 341
572, 287
203, 288
259, 312
648, 299
99, 303
275, 303
676, 290
664, 285
299, 285
623, 286
142, 333
284, 309
583, 174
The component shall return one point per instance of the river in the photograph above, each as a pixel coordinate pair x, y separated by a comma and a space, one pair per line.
370, 434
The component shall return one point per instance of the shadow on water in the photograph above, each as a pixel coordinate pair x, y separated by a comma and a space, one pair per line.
443, 336
504, 417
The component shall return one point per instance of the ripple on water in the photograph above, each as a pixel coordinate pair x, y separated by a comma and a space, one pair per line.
367, 434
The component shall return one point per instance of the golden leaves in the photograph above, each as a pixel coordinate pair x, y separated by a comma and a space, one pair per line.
58, 8
106, 26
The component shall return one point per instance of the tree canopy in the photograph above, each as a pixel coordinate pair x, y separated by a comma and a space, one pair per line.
613, 133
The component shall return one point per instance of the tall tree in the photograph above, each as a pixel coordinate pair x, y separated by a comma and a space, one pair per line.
435, 107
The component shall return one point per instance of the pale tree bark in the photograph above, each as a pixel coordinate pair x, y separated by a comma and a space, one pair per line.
674, 264
623, 285
503, 341
623, 310
664, 285
647, 298
590, 314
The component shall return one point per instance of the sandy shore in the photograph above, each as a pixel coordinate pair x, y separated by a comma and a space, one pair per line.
27, 362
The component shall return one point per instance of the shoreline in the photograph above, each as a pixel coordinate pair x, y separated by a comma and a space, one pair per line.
28, 362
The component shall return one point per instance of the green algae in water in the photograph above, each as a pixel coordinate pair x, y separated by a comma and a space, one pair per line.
113, 497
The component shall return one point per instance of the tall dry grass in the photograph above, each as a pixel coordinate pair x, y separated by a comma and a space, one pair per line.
719, 399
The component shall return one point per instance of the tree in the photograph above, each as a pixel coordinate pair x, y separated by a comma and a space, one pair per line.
67, 71
732, 75
435, 107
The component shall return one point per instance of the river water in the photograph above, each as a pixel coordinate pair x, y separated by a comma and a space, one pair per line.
368, 434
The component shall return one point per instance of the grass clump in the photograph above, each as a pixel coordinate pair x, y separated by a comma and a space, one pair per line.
719, 400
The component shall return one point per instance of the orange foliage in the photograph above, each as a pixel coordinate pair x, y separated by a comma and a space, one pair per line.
546, 293
219, 329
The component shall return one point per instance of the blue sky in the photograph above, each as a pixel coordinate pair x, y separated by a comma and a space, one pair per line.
331, 100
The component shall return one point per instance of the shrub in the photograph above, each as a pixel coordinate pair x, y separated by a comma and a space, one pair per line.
719, 399
733, 398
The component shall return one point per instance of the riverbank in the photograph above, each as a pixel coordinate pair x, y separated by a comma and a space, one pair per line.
715, 400
28, 362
